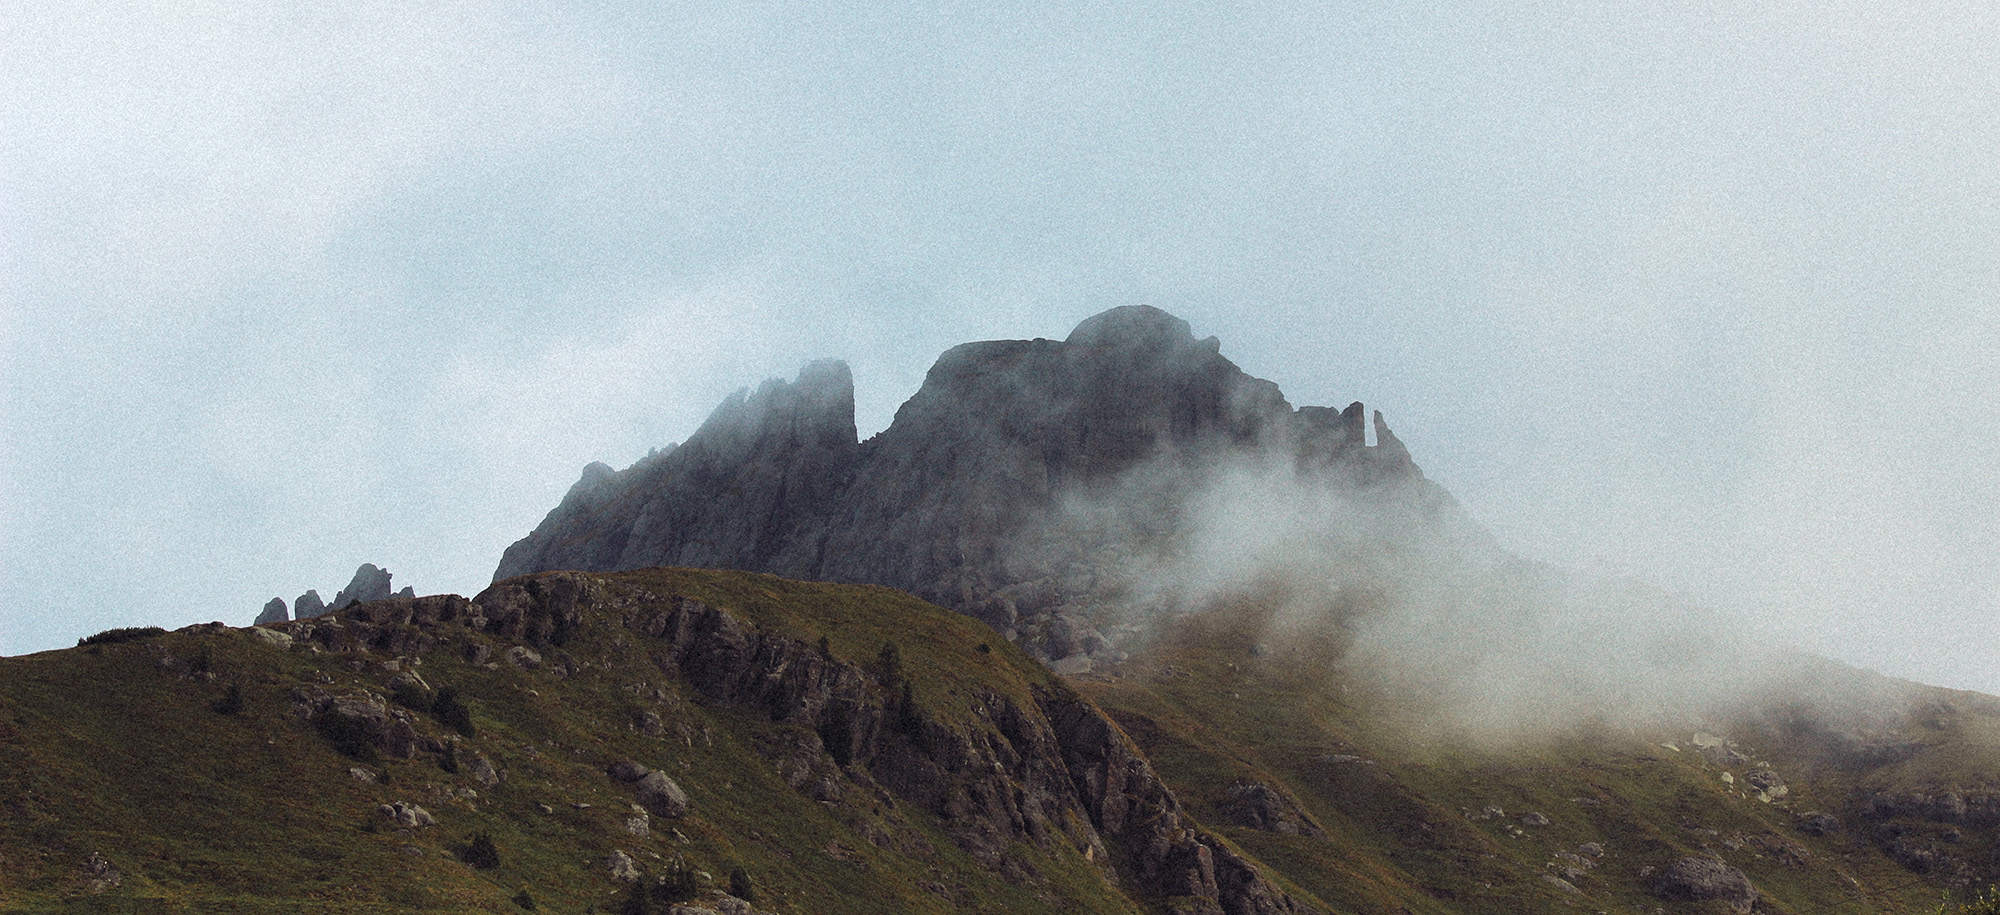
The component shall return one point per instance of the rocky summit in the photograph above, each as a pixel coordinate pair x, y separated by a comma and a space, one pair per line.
1015, 486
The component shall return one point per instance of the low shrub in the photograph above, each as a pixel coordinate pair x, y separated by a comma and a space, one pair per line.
114, 636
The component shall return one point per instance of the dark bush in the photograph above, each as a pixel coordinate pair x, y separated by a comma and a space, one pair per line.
114, 636
448, 760
889, 666
348, 735
452, 711
231, 702
679, 884
637, 902
411, 696
480, 852
740, 885
524, 900
836, 731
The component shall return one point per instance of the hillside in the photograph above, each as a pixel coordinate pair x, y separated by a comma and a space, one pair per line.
849, 749
317, 766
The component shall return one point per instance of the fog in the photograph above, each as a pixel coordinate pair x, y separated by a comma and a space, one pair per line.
1697, 296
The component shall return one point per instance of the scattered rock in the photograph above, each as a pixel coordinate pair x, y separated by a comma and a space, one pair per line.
661, 796
363, 775
1534, 819
623, 869
1702, 879
1590, 850
100, 875
274, 612
524, 657
481, 770
1769, 786
406, 815
1818, 823
638, 822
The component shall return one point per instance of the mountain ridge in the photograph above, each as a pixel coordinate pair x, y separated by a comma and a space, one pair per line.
965, 499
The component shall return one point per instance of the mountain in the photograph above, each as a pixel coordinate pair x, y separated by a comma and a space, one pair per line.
1026, 483
1285, 674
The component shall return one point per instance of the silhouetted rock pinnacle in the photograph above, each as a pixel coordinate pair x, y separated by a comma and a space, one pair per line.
369, 584
274, 612
969, 498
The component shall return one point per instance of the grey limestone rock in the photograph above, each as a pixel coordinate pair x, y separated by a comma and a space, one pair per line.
274, 612
369, 584
308, 606
621, 867
1698, 879
661, 796
409, 816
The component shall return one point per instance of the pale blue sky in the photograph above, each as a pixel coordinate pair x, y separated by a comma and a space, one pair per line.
1705, 294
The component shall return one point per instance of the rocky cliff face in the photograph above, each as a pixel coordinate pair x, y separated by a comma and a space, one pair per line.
971, 497
1046, 768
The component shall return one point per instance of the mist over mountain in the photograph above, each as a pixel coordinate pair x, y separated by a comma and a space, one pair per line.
1038, 485
1075, 494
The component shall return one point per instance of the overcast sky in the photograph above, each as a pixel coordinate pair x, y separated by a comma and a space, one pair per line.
1700, 293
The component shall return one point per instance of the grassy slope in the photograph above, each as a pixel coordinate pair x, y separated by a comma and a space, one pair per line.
120, 752
1403, 823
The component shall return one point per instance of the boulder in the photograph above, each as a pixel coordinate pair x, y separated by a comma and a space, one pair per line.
661, 796
621, 867
274, 612
1698, 879
409, 816
275, 637
482, 770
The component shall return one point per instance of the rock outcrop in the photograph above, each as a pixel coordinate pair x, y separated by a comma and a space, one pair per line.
1007, 488
369, 584
308, 606
1043, 768
274, 612
1699, 879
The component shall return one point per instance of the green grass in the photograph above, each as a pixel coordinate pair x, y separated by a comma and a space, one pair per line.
111, 749
118, 748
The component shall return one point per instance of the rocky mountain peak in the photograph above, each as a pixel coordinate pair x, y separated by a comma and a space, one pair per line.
967, 499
